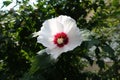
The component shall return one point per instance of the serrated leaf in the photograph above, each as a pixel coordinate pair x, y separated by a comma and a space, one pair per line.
6, 3
108, 49
94, 42
41, 62
91, 43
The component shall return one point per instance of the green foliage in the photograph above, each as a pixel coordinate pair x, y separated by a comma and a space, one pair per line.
40, 65
6, 3
18, 58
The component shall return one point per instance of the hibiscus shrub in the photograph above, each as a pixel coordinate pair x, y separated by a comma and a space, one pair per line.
97, 58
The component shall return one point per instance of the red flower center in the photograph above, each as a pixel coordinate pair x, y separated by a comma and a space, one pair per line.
61, 39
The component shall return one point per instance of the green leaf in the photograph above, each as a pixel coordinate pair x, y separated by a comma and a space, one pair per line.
115, 2
108, 49
91, 43
97, 52
101, 63
31, 77
41, 62
6, 3
90, 60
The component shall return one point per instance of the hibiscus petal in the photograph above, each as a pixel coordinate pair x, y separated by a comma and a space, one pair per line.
75, 39
67, 22
55, 52
69, 25
52, 26
48, 30
47, 42
63, 18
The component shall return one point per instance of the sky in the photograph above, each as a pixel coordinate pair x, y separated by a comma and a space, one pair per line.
13, 4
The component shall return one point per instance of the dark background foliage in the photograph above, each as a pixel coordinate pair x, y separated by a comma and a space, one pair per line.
18, 48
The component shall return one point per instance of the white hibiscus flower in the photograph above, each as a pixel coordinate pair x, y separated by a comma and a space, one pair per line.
59, 35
